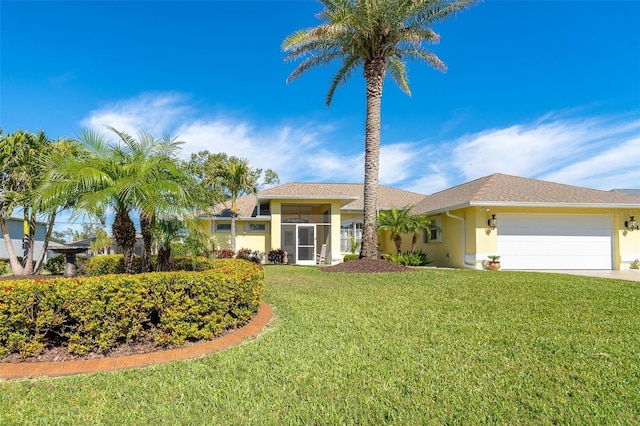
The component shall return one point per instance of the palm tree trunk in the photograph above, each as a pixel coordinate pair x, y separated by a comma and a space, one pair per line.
45, 245
146, 224
164, 254
374, 71
16, 267
124, 232
397, 240
30, 232
233, 224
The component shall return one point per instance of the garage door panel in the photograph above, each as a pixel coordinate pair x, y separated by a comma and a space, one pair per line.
554, 242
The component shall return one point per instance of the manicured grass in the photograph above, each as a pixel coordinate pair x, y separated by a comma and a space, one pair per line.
429, 347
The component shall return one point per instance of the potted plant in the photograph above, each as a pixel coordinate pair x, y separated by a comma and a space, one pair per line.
494, 263
635, 265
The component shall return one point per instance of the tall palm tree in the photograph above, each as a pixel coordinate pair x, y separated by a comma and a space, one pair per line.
156, 182
131, 176
377, 35
396, 222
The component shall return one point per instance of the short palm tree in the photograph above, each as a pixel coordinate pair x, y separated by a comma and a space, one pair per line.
377, 35
416, 224
133, 175
396, 222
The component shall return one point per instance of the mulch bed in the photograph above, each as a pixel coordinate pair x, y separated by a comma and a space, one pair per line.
367, 266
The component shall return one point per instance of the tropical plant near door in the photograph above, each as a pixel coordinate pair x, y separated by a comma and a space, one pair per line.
377, 35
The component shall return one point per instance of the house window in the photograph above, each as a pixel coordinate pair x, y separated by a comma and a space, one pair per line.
434, 234
221, 227
350, 233
263, 209
257, 227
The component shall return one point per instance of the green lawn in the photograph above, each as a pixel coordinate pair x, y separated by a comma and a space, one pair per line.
429, 347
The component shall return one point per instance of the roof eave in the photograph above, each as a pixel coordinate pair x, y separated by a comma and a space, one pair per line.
532, 204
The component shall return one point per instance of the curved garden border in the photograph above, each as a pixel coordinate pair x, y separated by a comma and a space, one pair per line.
68, 368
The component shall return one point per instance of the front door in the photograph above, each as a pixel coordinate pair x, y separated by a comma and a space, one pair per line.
306, 247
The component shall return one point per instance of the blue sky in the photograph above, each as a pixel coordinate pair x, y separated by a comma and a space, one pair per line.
541, 89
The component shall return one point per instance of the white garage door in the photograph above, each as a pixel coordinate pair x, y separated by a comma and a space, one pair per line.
555, 241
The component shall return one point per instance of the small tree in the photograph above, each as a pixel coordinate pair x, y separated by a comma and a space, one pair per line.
417, 223
395, 222
229, 178
101, 243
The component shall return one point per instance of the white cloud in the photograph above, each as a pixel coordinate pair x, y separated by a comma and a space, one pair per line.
155, 113
598, 152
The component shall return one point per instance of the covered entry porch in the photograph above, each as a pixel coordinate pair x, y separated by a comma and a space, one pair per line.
306, 233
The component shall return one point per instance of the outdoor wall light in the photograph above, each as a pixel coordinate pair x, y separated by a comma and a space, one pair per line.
493, 222
631, 224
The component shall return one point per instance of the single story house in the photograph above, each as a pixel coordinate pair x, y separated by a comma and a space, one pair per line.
312, 222
531, 224
16, 228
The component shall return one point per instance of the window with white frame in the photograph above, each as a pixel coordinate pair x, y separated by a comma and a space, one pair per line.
350, 233
434, 234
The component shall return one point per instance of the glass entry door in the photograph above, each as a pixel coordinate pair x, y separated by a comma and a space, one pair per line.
306, 247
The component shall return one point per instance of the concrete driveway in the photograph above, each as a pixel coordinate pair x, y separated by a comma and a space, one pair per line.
619, 275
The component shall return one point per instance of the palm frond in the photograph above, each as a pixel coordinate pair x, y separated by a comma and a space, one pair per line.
398, 72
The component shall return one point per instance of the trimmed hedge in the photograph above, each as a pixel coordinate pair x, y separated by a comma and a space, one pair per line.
98, 313
114, 264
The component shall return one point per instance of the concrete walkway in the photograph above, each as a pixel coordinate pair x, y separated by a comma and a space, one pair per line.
619, 275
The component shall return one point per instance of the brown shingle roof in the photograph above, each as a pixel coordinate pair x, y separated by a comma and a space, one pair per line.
351, 194
500, 189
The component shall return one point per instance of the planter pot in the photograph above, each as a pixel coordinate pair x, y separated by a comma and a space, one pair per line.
494, 266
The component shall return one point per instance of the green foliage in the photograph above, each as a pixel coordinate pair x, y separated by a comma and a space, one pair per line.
107, 264
101, 243
276, 256
56, 264
351, 256
98, 313
353, 244
3, 265
408, 258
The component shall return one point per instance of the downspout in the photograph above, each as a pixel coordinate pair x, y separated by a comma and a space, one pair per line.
464, 241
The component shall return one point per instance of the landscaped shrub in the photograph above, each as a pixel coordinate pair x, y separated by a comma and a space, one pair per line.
276, 256
3, 265
248, 254
224, 254
108, 264
408, 258
98, 313
350, 256
55, 265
